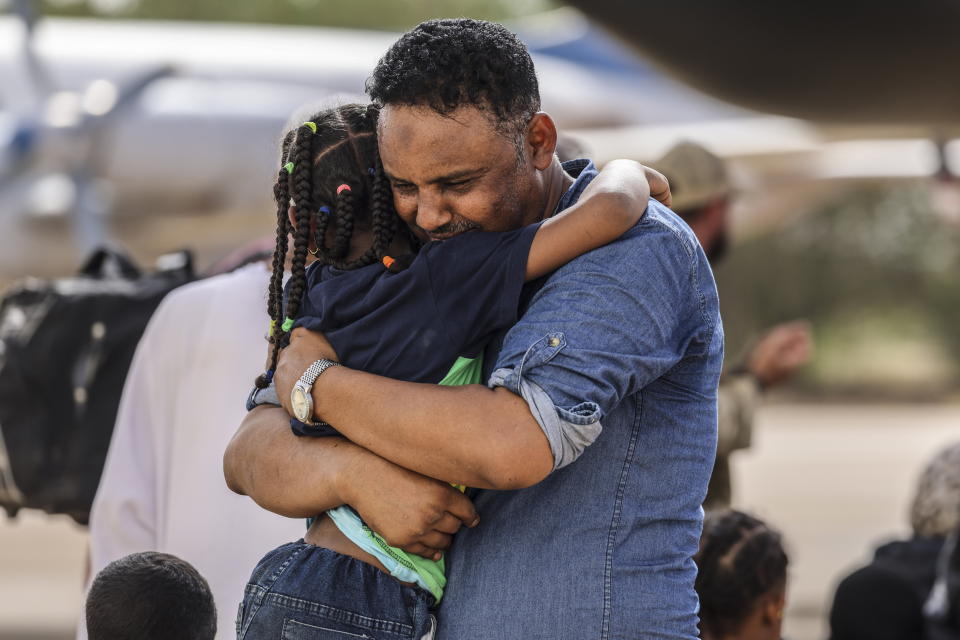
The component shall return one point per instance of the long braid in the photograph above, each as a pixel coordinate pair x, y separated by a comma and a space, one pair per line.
297, 145
281, 194
302, 179
344, 213
321, 224
740, 560
384, 218
346, 203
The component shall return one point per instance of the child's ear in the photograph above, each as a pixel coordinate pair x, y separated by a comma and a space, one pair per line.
772, 607
292, 215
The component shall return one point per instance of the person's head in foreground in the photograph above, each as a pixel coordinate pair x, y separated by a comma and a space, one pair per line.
150, 596
742, 578
462, 138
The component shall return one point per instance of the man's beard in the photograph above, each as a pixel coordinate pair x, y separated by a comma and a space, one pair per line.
718, 249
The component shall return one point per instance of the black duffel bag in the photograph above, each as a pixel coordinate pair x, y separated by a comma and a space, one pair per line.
65, 347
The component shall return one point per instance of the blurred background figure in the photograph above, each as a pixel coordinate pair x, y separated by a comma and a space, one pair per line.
742, 583
162, 487
702, 196
941, 611
150, 596
571, 147
885, 599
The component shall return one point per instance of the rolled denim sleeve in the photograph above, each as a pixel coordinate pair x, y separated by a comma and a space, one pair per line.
568, 436
603, 327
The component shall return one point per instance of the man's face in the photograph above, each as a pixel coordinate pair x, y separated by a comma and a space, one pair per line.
710, 227
455, 173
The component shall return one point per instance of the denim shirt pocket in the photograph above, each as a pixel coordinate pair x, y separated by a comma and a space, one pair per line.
543, 351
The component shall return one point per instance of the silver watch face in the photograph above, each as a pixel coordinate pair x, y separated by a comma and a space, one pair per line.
301, 404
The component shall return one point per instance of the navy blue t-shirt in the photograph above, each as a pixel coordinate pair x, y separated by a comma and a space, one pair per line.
413, 325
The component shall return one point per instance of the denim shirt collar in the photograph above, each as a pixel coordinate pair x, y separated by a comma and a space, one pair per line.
583, 171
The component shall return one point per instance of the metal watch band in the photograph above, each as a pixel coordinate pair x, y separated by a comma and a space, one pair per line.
313, 372
305, 385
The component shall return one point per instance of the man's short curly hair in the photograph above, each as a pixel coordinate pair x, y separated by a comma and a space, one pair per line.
450, 63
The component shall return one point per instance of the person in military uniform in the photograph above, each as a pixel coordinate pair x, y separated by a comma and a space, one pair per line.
702, 196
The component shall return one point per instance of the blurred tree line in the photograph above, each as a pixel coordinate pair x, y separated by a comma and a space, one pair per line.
876, 273
364, 14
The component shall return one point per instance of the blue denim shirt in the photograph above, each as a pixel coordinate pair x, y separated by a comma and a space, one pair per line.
628, 337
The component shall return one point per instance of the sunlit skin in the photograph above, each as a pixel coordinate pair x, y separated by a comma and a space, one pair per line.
442, 188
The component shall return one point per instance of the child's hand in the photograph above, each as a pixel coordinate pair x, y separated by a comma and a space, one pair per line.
623, 176
659, 186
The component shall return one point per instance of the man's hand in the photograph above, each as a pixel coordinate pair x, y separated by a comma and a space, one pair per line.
305, 348
784, 349
411, 511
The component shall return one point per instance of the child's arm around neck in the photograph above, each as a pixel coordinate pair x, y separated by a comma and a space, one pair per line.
612, 203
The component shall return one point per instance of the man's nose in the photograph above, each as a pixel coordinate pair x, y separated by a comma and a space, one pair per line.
430, 212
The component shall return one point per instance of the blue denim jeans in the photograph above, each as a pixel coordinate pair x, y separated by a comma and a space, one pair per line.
302, 592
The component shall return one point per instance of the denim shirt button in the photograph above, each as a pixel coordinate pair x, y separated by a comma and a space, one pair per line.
554, 341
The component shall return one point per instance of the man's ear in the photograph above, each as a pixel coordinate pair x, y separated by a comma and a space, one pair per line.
542, 140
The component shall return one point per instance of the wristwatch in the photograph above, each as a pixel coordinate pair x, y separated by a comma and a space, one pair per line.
301, 397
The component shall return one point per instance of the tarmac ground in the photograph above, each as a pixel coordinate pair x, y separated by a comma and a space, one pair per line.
835, 479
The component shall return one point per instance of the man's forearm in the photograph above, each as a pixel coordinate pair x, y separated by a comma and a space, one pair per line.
291, 476
468, 435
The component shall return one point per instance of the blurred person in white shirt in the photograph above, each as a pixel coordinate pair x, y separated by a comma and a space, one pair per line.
162, 487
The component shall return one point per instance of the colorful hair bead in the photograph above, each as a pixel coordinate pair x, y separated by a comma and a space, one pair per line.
388, 261
287, 324
312, 125
324, 209
289, 167
343, 187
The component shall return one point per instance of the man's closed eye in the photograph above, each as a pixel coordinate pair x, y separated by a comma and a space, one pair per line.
405, 188
459, 186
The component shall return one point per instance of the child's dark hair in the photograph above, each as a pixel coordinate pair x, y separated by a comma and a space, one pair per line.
739, 561
151, 596
330, 172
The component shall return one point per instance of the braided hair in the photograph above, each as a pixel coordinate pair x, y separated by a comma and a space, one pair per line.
739, 561
332, 176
